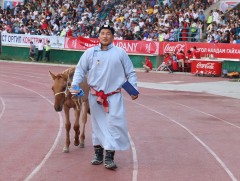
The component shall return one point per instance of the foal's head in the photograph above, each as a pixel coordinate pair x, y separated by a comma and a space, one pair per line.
60, 89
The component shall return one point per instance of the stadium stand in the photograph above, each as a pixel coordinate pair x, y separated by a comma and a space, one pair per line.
150, 20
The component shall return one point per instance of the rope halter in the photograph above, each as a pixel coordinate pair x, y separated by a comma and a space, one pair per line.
66, 91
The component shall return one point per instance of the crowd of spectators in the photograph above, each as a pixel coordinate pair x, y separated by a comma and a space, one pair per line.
149, 20
223, 29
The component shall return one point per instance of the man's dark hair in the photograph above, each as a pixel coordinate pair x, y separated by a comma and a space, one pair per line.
106, 27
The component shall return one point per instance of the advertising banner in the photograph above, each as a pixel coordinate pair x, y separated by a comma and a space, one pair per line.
12, 3
227, 5
24, 40
215, 50
130, 46
206, 67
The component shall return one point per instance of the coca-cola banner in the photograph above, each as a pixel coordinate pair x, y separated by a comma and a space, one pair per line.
172, 47
206, 67
217, 50
130, 46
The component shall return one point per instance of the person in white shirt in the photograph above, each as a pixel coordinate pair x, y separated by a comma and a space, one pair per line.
216, 16
40, 50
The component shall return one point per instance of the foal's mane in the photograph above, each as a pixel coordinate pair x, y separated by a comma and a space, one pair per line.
66, 74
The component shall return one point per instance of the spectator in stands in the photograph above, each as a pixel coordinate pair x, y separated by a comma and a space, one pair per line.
236, 40
193, 31
210, 19
52, 17
201, 17
226, 37
161, 36
147, 65
212, 39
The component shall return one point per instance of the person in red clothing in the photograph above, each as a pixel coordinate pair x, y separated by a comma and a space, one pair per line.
167, 63
181, 59
147, 65
174, 62
189, 56
188, 60
69, 32
44, 25
196, 53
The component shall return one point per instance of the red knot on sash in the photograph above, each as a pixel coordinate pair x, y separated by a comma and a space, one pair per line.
102, 97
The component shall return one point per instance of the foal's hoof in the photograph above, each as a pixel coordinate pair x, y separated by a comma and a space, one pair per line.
81, 145
65, 150
76, 143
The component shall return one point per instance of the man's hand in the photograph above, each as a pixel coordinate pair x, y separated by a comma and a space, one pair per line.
134, 97
75, 90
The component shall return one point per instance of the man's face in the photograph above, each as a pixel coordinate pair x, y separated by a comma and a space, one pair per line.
106, 37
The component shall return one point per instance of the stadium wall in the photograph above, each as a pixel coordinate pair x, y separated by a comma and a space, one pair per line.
66, 56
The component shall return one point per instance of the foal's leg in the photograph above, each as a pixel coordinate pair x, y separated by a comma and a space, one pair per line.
85, 108
67, 127
76, 126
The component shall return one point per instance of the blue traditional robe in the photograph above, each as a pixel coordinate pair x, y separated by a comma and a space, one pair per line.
107, 70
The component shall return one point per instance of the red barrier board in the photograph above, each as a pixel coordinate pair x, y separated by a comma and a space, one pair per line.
218, 50
130, 46
206, 67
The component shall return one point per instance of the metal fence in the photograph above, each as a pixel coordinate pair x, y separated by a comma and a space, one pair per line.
189, 34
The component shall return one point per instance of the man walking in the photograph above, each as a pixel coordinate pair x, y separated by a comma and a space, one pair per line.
108, 116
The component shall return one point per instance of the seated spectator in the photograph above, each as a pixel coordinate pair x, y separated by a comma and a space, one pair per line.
147, 65
212, 40
166, 64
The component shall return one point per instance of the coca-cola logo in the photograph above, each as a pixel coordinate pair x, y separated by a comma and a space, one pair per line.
208, 65
174, 48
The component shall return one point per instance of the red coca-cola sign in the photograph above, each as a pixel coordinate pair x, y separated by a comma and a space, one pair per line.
173, 47
206, 67
203, 65
218, 50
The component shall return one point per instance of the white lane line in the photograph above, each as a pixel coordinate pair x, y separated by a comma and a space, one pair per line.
135, 161
197, 138
44, 84
169, 82
38, 76
4, 106
197, 110
46, 157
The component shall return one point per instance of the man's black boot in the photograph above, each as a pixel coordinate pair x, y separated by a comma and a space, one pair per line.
98, 158
109, 160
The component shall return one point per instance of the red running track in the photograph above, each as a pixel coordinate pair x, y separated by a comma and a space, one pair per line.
176, 136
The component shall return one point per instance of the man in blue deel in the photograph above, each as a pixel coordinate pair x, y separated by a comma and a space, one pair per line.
108, 67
